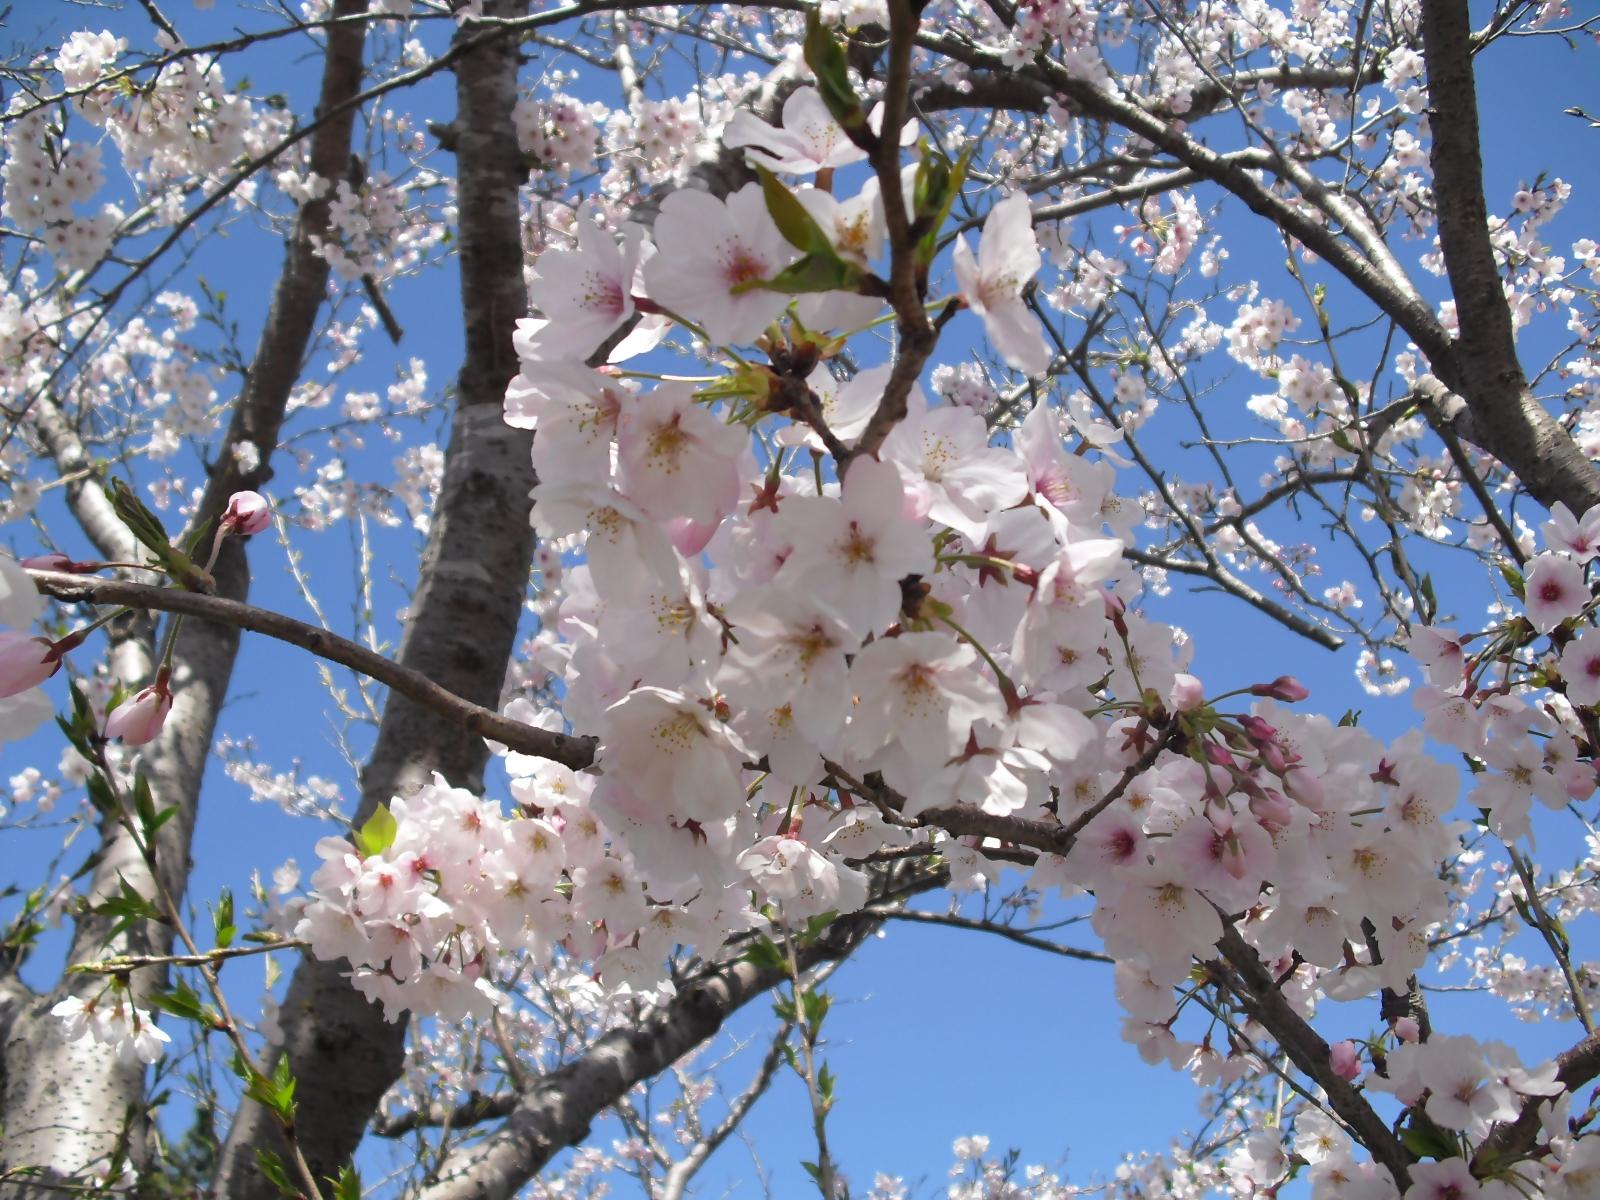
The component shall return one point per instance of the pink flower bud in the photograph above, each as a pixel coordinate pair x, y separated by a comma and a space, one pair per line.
248, 512
1257, 729
138, 720
1345, 1060
1407, 1029
56, 562
26, 662
1285, 687
1218, 755
1272, 809
1187, 693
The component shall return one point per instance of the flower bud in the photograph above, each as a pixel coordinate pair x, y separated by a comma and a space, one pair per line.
247, 513
138, 720
57, 561
1285, 687
1345, 1060
26, 662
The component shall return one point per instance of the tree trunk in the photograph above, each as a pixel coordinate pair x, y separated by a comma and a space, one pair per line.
461, 632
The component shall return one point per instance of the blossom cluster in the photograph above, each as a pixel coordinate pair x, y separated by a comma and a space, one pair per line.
749, 639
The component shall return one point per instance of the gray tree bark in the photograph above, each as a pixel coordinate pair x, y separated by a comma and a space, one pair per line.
462, 628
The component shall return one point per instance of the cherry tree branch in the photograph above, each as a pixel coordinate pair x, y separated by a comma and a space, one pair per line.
557, 1109
414, 685
1508, 421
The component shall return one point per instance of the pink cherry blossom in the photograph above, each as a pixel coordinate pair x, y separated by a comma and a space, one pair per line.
992, 283
808, 141
25, 662
1555, 591
689, 759
851, 553
676, 458
950, 472
20, 601
1580, 667
1579, 537
586, 294
1345, 1059
712, 254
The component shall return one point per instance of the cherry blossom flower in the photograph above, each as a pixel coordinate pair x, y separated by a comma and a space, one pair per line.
1580, 667
675, 458
950, 472
712, 254
992, 283
25, 662
574, 410
1555, 591
1441, 652
851, 553
803, 881
690, 759
585, 294
919, 691
809, 140
1345, 1059
20, 601
1579, 537
1449, 1179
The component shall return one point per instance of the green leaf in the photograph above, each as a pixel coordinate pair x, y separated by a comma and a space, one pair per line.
791, 217
764, 953
147, 528
816, 925
812, 273
101, 795
347, 1186
222, 919
127, 907
814, 1007
182, 1001
938, 183
1430, 603
1425, 1139
1514, 580
828, 63
272, 1167
276, 1093
377, 835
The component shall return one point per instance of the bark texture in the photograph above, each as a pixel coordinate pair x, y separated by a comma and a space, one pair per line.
1508, 421
68, 1106
463, 621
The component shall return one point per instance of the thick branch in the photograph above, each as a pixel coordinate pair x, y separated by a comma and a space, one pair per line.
1509, 421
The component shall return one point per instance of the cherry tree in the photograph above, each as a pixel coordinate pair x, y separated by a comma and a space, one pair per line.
847, 392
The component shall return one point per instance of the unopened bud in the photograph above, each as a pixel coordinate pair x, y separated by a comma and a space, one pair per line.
1285, 687
58, 562
247, 513
139, 719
